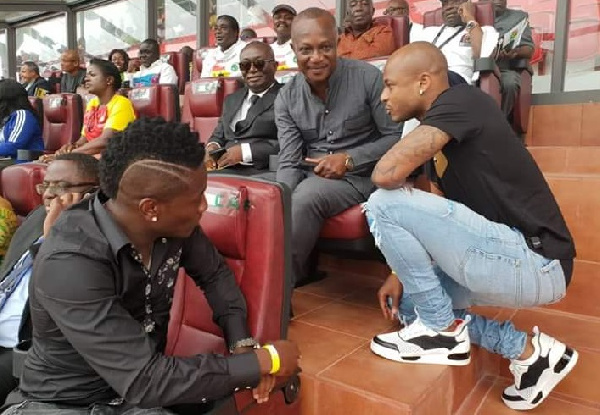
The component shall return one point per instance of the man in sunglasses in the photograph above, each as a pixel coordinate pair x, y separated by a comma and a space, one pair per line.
66, 179
246, 134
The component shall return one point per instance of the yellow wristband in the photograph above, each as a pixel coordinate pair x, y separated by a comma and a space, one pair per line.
275, 362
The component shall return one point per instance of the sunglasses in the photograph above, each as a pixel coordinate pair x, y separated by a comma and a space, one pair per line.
259, 64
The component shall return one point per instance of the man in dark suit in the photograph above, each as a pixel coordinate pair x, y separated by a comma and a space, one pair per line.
34, 84
69, 173
246, 131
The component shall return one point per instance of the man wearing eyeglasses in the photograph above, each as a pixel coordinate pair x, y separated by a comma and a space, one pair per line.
66, 179
246, 134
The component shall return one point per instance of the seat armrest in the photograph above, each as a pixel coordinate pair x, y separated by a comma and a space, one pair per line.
521, 65
484, 64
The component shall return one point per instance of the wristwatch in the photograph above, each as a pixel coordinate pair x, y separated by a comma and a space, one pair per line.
471, 24
247, 342
349, 164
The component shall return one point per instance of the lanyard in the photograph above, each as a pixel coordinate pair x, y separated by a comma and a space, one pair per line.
447, 40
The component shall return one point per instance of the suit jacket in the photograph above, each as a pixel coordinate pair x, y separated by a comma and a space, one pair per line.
258, 129
38, 83
30, 231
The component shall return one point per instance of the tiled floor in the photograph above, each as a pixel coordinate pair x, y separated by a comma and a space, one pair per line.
335, 319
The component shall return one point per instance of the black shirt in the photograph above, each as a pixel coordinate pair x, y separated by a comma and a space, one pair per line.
487, 168
69, 83
88, 306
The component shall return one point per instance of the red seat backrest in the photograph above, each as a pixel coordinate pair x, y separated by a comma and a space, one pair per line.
18, 186
181, 63
156, 101
230, 85
400, 27
63, 118
243, 214
202, 105
484, 13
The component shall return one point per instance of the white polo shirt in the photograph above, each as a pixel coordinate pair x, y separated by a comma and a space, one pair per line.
225, 63
456, 47
284, 55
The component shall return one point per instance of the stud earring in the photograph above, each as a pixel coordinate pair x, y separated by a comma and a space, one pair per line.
154, 219
420, 92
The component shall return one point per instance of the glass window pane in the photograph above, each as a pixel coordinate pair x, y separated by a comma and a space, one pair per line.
176, 24
3, 55
43, 43
583, 47
120, 25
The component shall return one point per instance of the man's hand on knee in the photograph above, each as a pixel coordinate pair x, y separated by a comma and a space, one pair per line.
392, 289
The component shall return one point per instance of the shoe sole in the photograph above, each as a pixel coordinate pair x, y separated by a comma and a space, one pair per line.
452, 359
546, 388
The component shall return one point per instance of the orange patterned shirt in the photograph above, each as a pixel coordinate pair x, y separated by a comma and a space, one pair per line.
377, 41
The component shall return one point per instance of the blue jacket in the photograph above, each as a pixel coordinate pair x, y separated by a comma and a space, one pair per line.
21, 131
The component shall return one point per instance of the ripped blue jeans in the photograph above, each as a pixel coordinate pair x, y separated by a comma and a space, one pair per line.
449, 258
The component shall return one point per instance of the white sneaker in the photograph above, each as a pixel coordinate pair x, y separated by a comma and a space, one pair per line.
418, 344
539, 374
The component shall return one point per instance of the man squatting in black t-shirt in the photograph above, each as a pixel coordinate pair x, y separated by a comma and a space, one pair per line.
496, 237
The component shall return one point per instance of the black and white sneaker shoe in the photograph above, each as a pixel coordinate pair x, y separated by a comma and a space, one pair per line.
418, 344
536, 376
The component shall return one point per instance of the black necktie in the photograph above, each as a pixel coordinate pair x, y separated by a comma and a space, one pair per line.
253, 100
242, 123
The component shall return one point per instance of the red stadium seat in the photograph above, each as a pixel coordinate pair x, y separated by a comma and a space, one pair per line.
202, 105
156, 100
489, 80
197, 63
38, 107
230, 85
400, 27
242, 214
63, 118
18, 186
181, 63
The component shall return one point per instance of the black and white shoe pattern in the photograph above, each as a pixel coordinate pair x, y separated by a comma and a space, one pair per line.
538, 375
417, 343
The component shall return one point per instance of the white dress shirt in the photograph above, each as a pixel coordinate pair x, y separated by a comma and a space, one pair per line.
241, 115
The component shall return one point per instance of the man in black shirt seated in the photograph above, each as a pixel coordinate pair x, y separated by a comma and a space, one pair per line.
72, 76
497, 237
246, 134
103, 284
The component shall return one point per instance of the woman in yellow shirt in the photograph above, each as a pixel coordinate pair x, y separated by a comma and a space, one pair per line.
107, 113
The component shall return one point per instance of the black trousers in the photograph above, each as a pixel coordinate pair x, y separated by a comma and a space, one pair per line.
7, 381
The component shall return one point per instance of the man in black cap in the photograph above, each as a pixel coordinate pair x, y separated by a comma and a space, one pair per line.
283, 15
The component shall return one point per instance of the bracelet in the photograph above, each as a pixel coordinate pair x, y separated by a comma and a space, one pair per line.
275, 362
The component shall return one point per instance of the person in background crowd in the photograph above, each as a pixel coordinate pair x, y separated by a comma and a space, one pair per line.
505, 20
101, 336
224, 60
8, 226
66, 179
120, 59
461, 38
106, 114
495, 238
153, 70
72, 74
283, 16
363, 38
19, 127
332, 128
399, 8
247, 128
34, 84
188, 52
248, 33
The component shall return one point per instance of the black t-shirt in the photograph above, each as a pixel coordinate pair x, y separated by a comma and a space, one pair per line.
487, 168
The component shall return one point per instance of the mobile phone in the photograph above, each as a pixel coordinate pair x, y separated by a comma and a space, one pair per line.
216, 154
307, 165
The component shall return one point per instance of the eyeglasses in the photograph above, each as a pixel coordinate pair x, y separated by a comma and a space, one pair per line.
59, 188
259, 64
